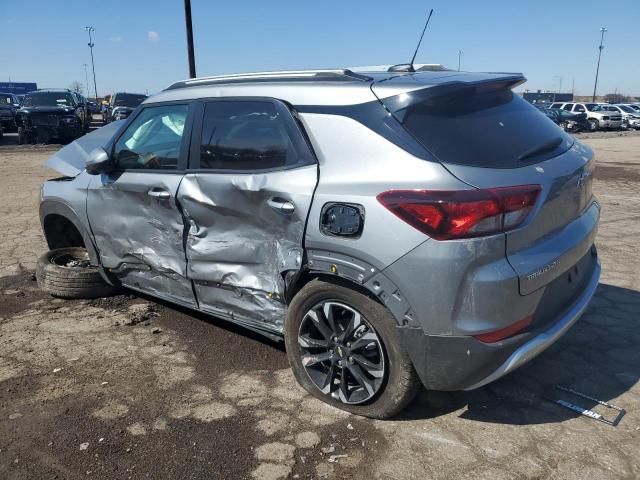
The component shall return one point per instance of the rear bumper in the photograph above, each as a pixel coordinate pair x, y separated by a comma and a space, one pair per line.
464, 363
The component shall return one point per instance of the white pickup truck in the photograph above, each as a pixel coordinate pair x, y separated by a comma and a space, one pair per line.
597, 115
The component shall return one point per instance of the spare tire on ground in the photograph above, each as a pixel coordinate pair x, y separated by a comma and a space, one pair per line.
68, 273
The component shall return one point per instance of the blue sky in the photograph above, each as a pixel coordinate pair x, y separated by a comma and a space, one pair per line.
140, 44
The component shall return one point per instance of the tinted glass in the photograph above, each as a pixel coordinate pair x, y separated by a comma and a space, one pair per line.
128, 99
624, 108
593, 107
484, 126
578, 108
153, 139
567, 107
249, 135
48, 99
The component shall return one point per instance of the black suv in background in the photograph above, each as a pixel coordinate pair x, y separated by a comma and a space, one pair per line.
8, 105
121, 105
47, 114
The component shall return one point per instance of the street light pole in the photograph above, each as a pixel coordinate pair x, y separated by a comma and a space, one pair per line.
187, 19
86, 78
460, 52
595, 85
93, 67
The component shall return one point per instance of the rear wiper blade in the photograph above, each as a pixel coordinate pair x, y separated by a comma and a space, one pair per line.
550, 146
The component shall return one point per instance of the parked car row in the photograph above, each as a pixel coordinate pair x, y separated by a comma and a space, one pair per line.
54, 113
570, 122
602, 116
42, 115
61, 114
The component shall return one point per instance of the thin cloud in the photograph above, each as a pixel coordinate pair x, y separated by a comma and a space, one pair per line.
153, 36
115, 39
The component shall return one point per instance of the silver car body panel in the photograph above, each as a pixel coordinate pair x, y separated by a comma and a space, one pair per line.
562, 227
545, 339
140, 237
339, 141
240, 245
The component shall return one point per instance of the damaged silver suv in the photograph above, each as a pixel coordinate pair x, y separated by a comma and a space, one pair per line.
394, 228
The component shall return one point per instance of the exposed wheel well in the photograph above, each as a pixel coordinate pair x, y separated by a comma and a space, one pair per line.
306, 276
60, 232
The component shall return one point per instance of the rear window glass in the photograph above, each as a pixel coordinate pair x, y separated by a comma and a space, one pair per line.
481, 126
249, 135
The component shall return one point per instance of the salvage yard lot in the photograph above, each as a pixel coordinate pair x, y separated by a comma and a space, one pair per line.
127, 387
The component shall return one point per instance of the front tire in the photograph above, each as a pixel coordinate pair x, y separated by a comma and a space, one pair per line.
344, 349
593, 124
67, 273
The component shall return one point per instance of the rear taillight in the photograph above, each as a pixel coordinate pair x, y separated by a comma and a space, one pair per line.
450, 214
510, 331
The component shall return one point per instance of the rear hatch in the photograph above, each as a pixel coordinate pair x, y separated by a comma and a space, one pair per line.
488, 137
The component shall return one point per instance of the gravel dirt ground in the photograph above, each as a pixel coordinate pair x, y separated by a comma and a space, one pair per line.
131, 388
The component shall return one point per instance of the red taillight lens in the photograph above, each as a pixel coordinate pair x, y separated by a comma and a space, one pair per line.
446, 215
510, 331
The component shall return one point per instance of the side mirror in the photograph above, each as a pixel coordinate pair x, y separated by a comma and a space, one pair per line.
99, 162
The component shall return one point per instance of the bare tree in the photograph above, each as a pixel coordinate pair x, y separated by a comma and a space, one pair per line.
76, 86
616, 98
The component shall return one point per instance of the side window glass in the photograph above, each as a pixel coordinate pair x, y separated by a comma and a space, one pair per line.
579, 108
250, 135
567, 107
153, 139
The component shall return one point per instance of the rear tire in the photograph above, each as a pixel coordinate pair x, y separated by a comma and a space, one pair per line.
66, 273
400, 383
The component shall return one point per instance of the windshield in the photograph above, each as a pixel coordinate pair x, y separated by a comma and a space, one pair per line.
627, 109
5, 100
48, 99
593, 107
128, 99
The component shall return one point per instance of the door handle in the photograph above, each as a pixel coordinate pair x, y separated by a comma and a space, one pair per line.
281, 205
159, 193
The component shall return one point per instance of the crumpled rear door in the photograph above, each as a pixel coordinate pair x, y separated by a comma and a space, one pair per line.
246, 202
242, 240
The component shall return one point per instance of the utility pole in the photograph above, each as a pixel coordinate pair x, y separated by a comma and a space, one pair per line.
460, 52
86, 79
192, 59
93, 67
595, 85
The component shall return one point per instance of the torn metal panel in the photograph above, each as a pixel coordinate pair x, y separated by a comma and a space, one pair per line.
240, 239
140, 237
359, 271
241, 305
71, 159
